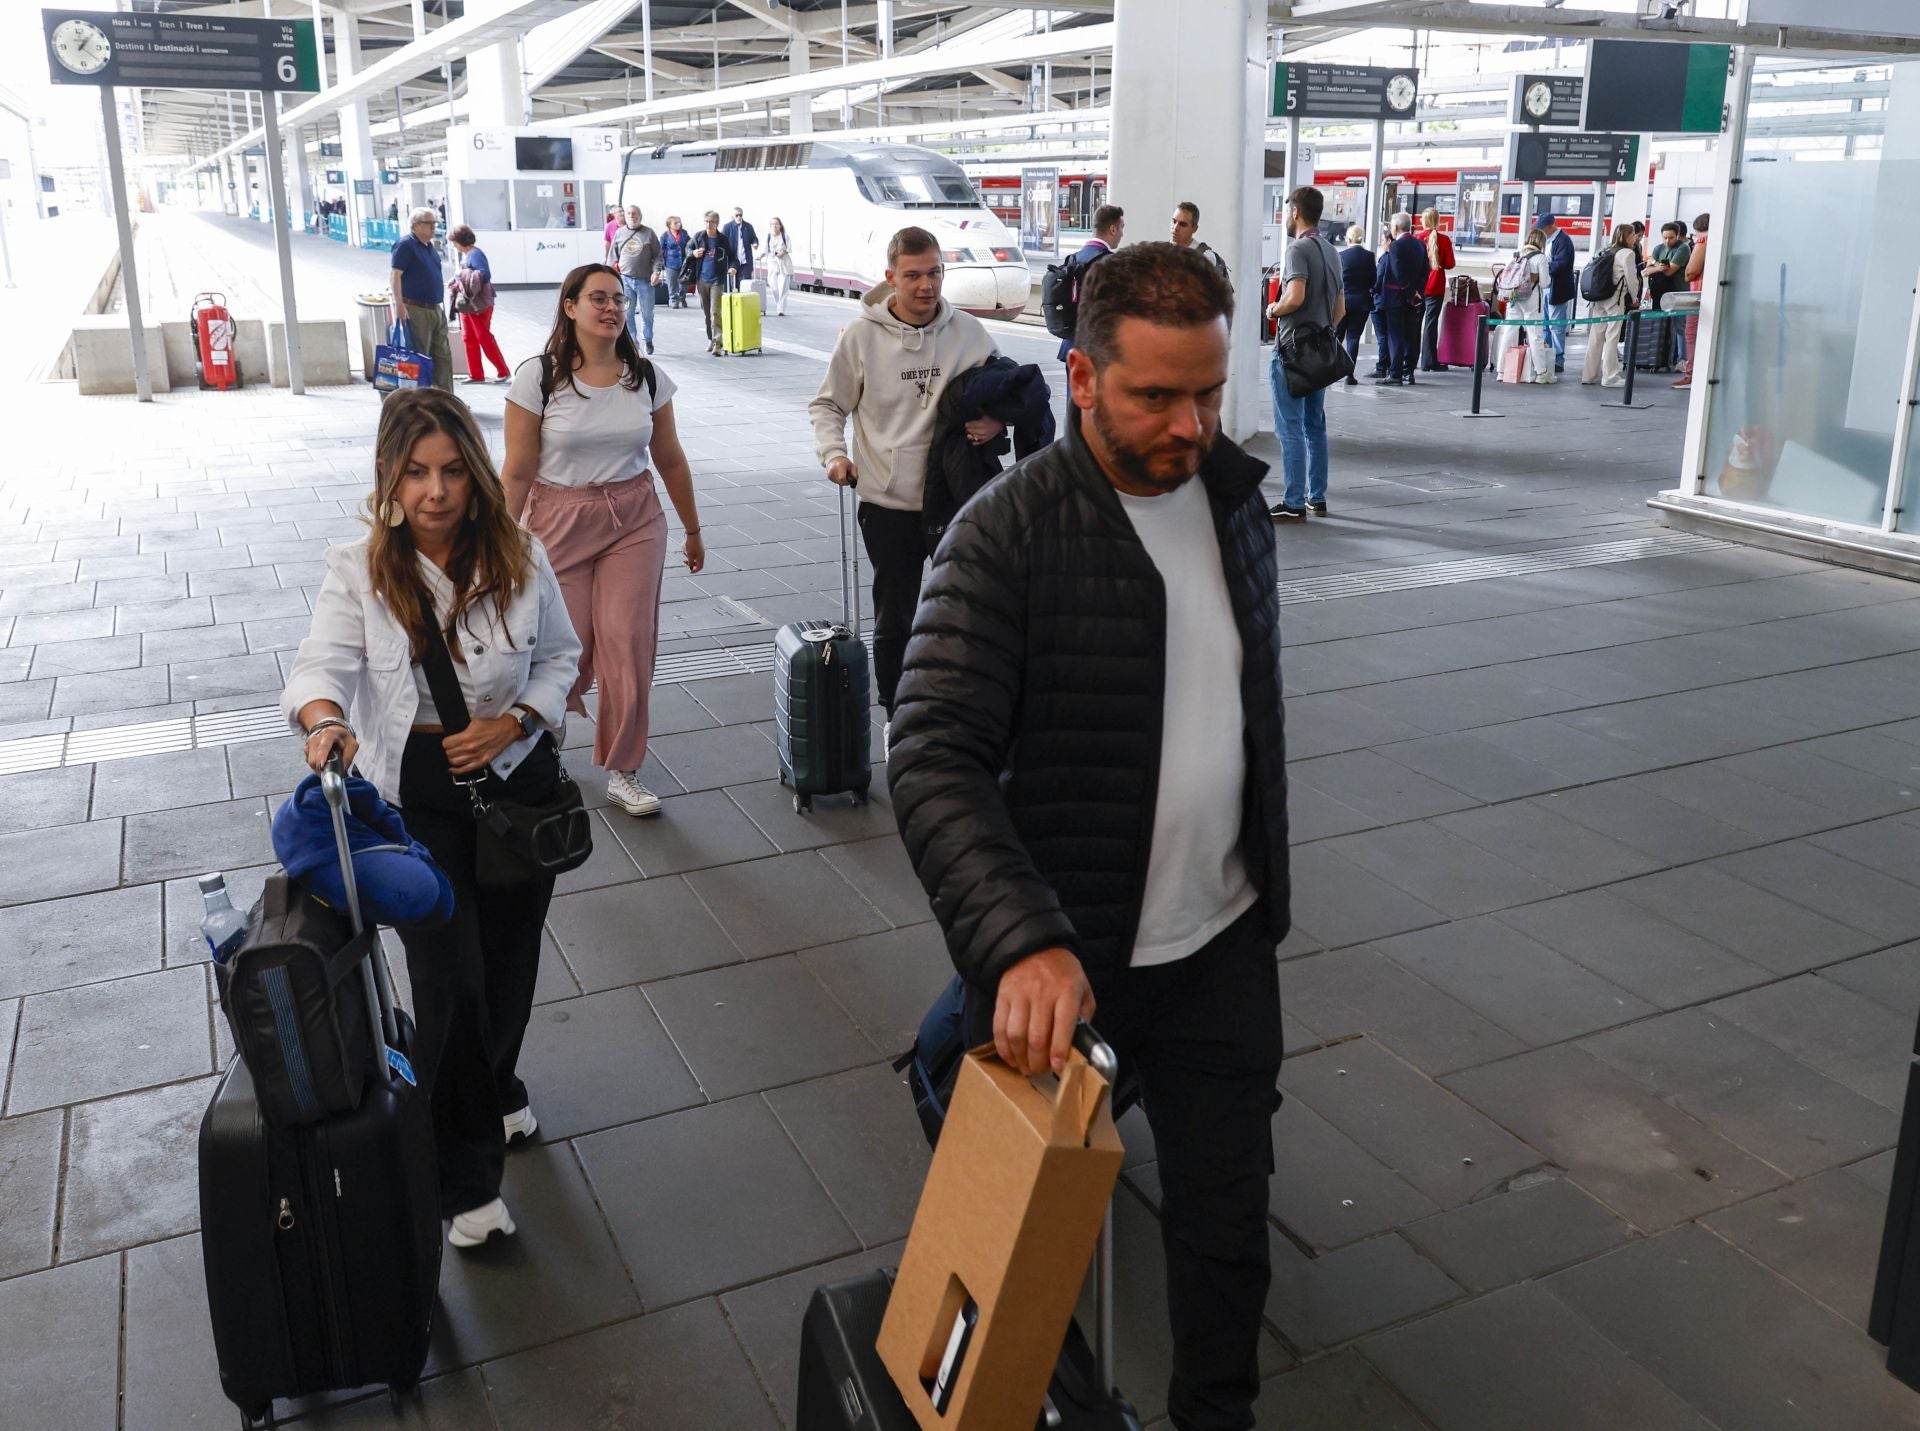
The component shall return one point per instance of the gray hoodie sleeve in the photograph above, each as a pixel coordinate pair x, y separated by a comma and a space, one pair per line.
839, 395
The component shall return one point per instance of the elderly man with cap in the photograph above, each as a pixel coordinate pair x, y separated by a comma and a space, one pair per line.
418, 292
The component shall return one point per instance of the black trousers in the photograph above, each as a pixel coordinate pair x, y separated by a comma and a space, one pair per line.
1204, 1035
473, 976
1430, 333
1402, 326
1354, 325
896, 544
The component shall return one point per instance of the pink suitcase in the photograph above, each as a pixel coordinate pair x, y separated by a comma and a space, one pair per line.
1458, 322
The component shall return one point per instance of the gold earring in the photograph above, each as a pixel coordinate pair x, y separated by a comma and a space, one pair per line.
473, 508
392, 514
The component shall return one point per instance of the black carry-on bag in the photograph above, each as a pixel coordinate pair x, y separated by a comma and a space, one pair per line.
1894, 1317
822, 689
322, 1241
844, 1387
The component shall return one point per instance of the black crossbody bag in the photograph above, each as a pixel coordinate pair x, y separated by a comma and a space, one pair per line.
517, 840
1311, 354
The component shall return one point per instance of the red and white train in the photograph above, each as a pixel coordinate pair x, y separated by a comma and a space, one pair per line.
1464, 195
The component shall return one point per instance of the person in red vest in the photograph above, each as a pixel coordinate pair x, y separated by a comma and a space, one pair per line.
1439, 260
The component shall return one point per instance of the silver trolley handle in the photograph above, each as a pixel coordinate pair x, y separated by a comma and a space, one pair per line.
374, 981
849, 563
1100, 1054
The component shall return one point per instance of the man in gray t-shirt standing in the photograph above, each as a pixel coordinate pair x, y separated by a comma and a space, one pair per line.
1310, 294
635, 250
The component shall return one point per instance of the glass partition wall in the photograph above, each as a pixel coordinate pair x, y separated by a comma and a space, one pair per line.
1808, 424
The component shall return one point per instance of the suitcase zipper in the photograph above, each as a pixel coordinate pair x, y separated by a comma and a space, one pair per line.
323, 1273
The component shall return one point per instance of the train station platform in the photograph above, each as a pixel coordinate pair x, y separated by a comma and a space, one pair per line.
1599, 998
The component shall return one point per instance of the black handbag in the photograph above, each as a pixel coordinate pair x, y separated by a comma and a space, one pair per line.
516, 840
1311, 354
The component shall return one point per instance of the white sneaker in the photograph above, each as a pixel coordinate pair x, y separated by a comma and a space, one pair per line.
472, 1229
886, 739
521, 1126
630, 795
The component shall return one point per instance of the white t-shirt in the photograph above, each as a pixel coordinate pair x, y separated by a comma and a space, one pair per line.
595, 435
1197, 882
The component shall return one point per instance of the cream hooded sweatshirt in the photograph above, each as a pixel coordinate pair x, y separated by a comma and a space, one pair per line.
888, 376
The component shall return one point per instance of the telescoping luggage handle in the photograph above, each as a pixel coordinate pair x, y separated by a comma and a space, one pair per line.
849, 567
1098, 1053
374, 982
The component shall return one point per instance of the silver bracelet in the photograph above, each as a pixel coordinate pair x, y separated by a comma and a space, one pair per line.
326, 721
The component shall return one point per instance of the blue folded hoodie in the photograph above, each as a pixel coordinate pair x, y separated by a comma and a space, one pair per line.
398, 881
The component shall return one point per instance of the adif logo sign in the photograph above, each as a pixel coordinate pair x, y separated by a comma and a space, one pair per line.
558, 246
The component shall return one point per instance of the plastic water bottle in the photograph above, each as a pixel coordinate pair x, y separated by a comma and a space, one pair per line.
224, 926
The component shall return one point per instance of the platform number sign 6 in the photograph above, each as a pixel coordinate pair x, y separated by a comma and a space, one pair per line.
287, 68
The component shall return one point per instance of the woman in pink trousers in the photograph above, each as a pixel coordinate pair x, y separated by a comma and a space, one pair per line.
589, 422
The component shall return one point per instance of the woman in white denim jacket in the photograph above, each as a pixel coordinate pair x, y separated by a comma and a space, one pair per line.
445, 560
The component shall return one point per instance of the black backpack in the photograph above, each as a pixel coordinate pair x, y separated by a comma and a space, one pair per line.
547, 382
1598, 282
294, 1002
1060, 295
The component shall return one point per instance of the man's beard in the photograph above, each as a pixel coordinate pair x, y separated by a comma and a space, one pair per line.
1136, 465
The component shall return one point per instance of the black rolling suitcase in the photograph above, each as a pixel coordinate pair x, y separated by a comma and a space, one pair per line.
821, 693
1653, 348
321, 1242
844, 1387
1894, 1318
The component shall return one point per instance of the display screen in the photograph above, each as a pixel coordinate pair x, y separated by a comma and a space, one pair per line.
543, 153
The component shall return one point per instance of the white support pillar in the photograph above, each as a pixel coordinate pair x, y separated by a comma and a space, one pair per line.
496, 83
1376, 176
302, 173
320, 43
1207, 148
356, 134
1703, 358
1602, 228
800, 107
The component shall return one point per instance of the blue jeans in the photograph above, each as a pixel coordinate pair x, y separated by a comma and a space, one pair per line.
639, 308
1558, 315
1301, 425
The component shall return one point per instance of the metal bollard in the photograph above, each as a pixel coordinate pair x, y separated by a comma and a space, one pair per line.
1633, 347
1482, 330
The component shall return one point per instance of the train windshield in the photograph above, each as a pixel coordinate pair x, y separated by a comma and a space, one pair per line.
906, 180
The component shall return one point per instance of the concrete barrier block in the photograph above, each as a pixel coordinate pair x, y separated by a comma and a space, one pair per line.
103, 355
180, 352
250, 349
323, 353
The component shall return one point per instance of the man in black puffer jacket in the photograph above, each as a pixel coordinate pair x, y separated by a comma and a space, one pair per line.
1088, 766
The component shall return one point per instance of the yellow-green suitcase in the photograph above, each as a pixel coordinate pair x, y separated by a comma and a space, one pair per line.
739, 319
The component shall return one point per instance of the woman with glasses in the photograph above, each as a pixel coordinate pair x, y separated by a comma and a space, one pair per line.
589, 421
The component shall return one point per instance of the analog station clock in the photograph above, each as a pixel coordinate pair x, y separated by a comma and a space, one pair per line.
1400, 93
1538, 100
81, 46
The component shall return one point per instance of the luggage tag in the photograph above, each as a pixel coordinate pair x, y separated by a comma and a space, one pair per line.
398, 1062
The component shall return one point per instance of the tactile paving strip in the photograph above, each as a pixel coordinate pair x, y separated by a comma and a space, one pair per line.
124, 742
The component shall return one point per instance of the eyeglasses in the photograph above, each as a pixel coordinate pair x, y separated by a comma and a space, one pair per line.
604, 301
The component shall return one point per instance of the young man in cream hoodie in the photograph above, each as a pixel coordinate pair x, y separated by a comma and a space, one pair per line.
888, 371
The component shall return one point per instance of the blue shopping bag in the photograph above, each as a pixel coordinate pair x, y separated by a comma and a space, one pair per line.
398, 364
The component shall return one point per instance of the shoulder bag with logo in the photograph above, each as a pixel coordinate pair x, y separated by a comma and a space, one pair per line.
1311, 354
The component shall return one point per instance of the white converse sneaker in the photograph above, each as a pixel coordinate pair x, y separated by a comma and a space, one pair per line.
521, 1126
474, 1228
630, 795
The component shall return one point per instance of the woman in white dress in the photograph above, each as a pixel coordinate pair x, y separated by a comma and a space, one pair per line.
1524, 282
779, 267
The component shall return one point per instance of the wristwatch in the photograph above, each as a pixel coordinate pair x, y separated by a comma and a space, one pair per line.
525, 719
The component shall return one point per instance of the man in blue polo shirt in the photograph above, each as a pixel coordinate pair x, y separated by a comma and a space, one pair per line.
418, 294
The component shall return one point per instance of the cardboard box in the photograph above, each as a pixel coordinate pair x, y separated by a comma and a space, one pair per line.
1009, 1218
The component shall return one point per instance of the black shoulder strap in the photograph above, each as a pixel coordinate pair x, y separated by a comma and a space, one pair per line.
653, 383
546, 387
445, 685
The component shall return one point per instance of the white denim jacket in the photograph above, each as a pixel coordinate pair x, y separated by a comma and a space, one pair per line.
357, 656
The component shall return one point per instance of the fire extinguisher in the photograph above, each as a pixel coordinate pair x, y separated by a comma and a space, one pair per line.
1271, 287
214, 363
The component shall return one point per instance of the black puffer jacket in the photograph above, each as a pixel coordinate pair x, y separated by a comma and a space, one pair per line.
1013, 392
1026, 733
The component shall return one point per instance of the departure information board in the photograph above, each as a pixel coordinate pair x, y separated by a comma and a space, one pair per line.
179, 51
1655, 87
1547, 101
1538, 157
1343, 92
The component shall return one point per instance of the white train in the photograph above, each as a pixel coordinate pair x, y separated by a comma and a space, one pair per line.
840, 204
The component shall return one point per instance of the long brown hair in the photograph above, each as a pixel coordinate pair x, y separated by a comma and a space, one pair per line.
562, 352
491, 559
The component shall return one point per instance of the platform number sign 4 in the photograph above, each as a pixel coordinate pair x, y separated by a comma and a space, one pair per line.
81, 46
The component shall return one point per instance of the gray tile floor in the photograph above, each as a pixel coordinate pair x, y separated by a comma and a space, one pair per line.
1606, 961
